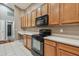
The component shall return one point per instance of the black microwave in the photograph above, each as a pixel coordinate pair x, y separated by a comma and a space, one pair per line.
42, 20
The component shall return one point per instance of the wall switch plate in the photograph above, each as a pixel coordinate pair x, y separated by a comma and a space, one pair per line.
61, 30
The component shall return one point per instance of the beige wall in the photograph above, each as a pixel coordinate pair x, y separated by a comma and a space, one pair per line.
17, 14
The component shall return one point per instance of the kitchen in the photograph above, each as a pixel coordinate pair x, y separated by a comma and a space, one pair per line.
47, 29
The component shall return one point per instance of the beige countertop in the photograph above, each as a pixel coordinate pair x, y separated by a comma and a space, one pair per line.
27, 32
70, 41
67, 39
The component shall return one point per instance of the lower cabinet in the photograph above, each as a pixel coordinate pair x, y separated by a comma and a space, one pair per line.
67, 50
24, 40
52, 48
29, 42
49, 48
64, 53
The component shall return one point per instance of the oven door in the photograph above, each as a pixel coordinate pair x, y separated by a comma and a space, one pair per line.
37, 45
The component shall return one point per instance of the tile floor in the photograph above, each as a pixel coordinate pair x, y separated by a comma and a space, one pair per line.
15, 48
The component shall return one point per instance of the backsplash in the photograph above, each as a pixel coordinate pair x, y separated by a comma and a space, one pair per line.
65, 29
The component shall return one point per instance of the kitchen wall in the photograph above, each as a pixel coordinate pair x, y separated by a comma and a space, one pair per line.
17, 14
56, 29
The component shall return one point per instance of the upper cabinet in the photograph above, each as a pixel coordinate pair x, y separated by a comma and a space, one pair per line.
23, 21
44, 9
33, 17
39, 12
53, 12
69, 13
58, 13
29, 20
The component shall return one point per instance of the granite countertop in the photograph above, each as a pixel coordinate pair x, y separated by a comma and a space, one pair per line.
70, 41
27, 32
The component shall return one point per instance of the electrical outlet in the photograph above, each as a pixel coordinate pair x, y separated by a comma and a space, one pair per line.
61, 30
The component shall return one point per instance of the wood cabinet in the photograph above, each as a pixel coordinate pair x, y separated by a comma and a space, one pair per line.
24, 40
29, 20
29, 42
67, 50
38, 12
53, 11
23, 21
49, 48
53, 48
69, 13
33, 18
64, 53
44, 9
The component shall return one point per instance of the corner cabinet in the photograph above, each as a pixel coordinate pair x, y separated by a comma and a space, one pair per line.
29, 20
53, 12
38, 11
69, 13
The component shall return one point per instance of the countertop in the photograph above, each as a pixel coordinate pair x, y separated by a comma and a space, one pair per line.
70, 41
27, 32
67, 39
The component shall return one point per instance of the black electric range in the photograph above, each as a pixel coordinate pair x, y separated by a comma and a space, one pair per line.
38, 42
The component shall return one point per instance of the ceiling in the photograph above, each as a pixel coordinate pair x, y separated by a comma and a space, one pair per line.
19, 5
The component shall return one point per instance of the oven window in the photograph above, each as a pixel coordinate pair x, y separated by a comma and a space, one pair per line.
36, 44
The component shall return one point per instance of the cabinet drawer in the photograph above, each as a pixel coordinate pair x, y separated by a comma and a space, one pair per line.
49, 42
74, 50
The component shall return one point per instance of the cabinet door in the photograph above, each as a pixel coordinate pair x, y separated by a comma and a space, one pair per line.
24, 18
29, 20
21, 22
29, 42
69, 13
26, 21
49, 50
64, 53
25, 40
44, 9
33, 17
67, 50
38, 12
53, 13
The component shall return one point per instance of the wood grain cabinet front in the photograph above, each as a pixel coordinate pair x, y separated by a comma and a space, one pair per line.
49, 48
53, 12
38, 12
33, 18
23, 21
69, 13
29, 42
53, 48
29, 20
44, 9
67, 50
25, 40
